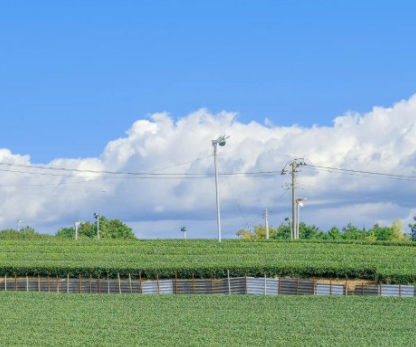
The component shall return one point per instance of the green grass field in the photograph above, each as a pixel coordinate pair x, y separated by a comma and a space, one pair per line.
388, 263
121, 320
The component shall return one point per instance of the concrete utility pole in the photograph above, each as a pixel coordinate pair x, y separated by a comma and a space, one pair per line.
220, 141
97, 217
266, 217
294, 164
77, 225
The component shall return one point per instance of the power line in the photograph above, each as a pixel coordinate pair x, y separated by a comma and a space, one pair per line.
362, 173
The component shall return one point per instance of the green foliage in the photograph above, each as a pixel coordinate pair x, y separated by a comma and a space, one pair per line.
115, 229
49, 320
25, 233
109, 229
311, 232
387, 262
413, 229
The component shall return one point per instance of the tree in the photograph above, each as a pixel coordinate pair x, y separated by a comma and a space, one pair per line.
351, 232
109, 229
25, 233
334, 234
413, 229
115, 229
86, 230
308, 232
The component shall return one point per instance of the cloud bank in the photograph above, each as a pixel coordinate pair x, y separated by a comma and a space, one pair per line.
382, 140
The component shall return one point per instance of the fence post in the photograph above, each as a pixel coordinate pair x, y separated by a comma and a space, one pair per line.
229, 283
245, 280
5, 283
157, 281
27, 283
313, 286
176, 282
38, 283
57, 284
362, 289
330, 287
108, 285
15, 283
278, 286
119, 283
79, 283
381, 293
99, 283
193, 283
67, 283
48, 285
131, 289
265, 284
400, 290
140, 281
297, 286
346, 287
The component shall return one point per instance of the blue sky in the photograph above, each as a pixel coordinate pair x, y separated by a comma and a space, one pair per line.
77, 74
143, 85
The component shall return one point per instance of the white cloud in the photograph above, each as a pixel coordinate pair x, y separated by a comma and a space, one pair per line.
382, 140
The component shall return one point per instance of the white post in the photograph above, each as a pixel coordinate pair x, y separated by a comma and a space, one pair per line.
267, 224
265, 285
217, 194
229, 282
298, 222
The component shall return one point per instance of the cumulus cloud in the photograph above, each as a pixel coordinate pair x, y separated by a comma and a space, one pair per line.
382, 140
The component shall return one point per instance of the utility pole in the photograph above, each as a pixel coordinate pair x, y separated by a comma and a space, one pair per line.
294, 164
294, 220
266, 217
19, 223
97, 217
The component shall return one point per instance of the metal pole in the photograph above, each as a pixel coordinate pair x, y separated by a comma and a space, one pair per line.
98, 227
293, 200
76, 230
298, 222
214, 144
267, 224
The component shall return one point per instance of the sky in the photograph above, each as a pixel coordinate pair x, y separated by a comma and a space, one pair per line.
138, 86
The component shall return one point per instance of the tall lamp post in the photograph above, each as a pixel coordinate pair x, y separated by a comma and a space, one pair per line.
97, 217
220, 141
183, 229
299, 203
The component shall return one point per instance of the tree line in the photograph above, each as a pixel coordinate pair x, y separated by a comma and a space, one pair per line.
109, 229
395, 232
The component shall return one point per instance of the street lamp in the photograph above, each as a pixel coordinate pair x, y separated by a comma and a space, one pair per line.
220, 141
299, 203
97, 217
183, 229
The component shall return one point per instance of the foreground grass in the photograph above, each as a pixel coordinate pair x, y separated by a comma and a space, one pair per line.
32, 319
